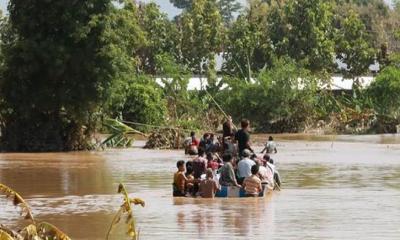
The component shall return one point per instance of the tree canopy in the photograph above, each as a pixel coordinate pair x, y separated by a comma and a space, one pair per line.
59, 67
66, 65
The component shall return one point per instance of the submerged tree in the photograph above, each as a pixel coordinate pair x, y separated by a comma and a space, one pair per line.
59, 67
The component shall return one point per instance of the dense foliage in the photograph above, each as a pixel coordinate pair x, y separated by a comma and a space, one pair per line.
280, 98
60, 61
385, 92
65, 66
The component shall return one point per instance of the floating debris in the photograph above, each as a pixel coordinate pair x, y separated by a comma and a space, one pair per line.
165, 139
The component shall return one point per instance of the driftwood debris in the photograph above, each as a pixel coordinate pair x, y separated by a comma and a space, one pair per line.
167, 138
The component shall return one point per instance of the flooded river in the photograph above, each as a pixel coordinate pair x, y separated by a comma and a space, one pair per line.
345, 187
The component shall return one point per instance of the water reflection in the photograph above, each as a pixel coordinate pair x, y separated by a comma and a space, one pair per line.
332, 190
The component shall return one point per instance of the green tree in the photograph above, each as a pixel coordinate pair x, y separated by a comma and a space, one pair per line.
59, 70
283, 93
175, 80
248, 48
201, 35
227, 10
302, 30
161, 36
385, 92
381, 21
353, 47
140, 100
182, 4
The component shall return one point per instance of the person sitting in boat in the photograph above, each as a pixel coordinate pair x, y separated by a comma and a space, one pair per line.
244, 166
204, 141
208, 187
271, 166
212, 162
191, 144
180, 180
252, 184
229, 146
227, 173
270, 146
265, 173
242, 137
211, 144
199, 164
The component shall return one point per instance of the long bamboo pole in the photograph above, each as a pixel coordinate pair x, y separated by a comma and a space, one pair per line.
219, 107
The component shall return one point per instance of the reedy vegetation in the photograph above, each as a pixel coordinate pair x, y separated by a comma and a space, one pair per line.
67, 65
45, 230
35, 230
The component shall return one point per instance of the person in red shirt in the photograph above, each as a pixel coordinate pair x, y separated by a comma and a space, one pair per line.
191, 144
195, 141
211, 162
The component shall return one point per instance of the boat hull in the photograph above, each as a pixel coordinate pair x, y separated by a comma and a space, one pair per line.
236, 192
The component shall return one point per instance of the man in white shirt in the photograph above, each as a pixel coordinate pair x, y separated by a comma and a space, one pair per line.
270, 146
244, 166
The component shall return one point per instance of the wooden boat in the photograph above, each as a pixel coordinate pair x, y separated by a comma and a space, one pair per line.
236, 192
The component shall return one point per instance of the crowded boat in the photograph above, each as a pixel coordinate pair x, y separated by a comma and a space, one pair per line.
226, 166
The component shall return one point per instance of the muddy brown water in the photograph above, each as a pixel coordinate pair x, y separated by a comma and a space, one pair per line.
335, 187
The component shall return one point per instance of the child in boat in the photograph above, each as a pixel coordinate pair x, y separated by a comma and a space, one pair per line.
270, 146
252, 185
180, 180
209, 186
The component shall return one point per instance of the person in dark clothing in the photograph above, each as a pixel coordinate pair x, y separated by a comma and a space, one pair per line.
228, 132
227, 172
204, 141
242, 137
199, 164
228, 128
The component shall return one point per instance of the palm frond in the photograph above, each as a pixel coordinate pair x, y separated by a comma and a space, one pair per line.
48, 231
6, 232
29, 232
5, 236
17, 201
119, 134
126, 209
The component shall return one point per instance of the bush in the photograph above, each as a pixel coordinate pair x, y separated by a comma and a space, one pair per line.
385, 92
283, 94
139, 100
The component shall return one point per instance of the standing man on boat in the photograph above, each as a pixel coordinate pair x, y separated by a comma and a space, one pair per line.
242, 137
228, 128
228, 132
